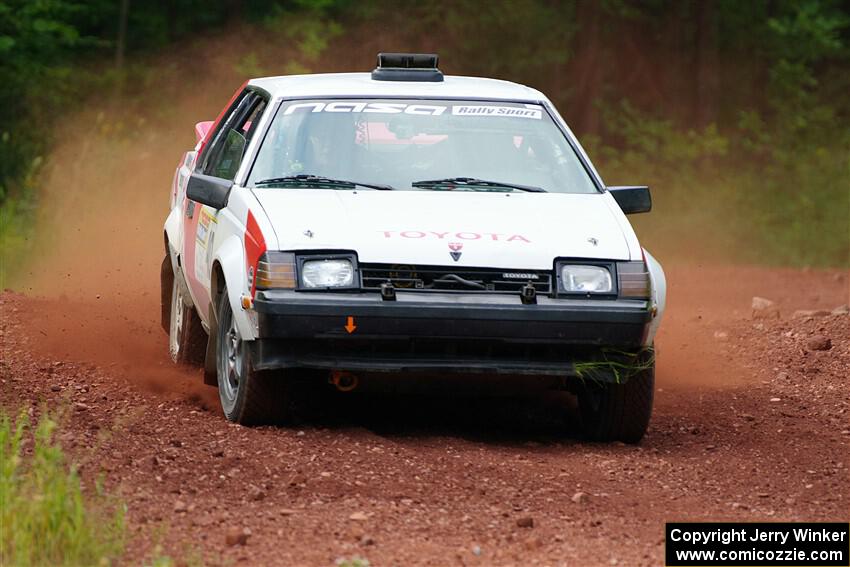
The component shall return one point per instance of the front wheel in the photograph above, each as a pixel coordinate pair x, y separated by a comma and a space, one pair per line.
618, 412
247, 397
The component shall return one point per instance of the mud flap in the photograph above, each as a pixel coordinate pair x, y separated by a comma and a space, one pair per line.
166, 281
210, 370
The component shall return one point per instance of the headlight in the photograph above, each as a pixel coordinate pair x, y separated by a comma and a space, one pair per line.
329, 272
276, 270
585, 279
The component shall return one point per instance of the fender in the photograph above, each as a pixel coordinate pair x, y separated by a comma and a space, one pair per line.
229, 258
659, 294
230, 255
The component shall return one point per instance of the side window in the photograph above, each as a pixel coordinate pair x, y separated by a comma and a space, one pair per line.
229, 146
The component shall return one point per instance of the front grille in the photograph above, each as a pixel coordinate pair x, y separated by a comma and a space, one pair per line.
450, 279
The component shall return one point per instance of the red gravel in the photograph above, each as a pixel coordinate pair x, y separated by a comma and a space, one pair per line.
750, 424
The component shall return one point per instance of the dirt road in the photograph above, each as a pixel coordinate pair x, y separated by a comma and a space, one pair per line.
401, 479
750, 423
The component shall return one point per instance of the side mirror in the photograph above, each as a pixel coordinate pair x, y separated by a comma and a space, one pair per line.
632, 199
208, 190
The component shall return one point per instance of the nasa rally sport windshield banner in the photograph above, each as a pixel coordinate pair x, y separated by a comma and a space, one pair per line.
529, 111
764, 544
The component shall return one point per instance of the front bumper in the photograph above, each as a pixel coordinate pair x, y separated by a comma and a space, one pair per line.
429, 332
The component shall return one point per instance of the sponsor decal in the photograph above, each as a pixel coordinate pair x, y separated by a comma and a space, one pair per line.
204, 238
487, 110
204, 223
358, 107
368, 108
434, 235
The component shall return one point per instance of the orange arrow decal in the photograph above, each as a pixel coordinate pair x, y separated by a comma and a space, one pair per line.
350, 326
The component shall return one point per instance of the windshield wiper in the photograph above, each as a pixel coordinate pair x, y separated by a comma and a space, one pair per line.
473, 182
318, 180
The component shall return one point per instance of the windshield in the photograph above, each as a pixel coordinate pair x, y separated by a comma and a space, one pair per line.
419, 145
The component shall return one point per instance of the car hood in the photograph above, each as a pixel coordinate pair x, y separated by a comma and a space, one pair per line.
476, 229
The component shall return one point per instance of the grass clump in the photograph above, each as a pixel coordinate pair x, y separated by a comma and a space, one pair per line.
44, 517
619, 366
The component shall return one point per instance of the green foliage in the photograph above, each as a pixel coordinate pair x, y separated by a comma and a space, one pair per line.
15, 216
249, 66
512, 39
639, 142
44, 517
34, 40
308, 27
46, 52
191, 557
801, 37
312, 35
354, 561
808, 31
750, 194
768, 182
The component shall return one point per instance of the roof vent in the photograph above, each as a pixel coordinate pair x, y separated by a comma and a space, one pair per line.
408, 67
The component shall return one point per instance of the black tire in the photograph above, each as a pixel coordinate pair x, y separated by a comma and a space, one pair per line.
618, 412
186, 337
247, 397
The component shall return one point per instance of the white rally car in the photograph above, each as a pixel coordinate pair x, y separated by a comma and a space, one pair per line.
403, 221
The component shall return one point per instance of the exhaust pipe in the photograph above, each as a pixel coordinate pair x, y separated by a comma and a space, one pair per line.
343, 380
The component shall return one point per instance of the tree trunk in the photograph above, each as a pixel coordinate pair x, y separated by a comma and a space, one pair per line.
707, 82
120, 47
121, 40
588, 67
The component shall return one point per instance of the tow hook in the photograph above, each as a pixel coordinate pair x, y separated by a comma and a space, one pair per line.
343, 380
528, 295
387, 291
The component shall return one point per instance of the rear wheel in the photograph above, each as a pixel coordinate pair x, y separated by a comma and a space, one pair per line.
618, 412
247, 396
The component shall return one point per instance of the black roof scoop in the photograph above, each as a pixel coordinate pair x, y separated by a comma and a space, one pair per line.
408, 67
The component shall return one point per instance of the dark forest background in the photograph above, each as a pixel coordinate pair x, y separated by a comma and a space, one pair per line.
736, 113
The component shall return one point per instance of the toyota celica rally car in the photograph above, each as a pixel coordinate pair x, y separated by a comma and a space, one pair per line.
407, 223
